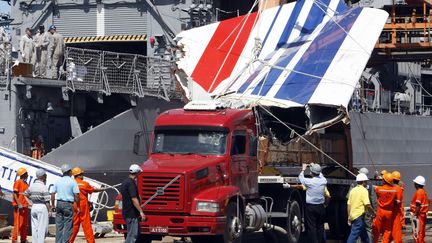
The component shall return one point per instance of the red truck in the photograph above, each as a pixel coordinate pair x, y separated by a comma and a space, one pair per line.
205, 179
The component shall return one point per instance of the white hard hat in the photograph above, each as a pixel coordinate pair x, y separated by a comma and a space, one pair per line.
65, 168
420, 180
364, 171
134, 169
40, 172
362, 177
315, 168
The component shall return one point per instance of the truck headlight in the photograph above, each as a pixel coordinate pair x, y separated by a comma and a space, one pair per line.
209, 207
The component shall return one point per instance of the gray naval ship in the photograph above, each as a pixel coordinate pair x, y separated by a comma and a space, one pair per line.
118, 76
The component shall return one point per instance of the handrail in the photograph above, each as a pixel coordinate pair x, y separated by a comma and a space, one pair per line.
114, 72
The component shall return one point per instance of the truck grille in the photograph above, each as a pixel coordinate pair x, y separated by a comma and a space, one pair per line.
173, 196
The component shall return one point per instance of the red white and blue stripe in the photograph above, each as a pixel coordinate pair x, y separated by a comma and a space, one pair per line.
311, 52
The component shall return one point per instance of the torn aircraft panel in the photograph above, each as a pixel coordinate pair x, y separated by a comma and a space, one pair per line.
305, 53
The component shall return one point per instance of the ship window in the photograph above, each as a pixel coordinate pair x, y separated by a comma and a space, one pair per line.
238, 144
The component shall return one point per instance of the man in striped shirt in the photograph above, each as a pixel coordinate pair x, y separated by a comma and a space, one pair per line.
39, 197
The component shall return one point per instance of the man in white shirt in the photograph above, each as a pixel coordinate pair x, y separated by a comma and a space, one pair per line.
27, 46
39, 197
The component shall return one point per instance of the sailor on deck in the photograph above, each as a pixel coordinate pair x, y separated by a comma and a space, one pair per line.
42, 41
27, 46
57, 51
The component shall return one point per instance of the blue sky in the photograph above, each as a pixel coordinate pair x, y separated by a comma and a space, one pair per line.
4, 7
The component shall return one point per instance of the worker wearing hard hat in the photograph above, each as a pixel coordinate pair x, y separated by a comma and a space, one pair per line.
83, 217
67, 192
20, 206
399, 219
388, 202
419, 208
383, 172
358, 202
39, 196
368, 217
131, 209
315, 199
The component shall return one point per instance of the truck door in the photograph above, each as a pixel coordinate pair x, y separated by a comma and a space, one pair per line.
239, 161
252, 163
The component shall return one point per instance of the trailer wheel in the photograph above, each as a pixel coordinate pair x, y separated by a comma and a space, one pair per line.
294, 222
234, 225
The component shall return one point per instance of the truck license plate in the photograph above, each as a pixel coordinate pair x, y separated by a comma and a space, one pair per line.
158, 229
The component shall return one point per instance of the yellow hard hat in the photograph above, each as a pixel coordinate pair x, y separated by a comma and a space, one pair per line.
77, 171
396, 175
388, 178
383, 172
21, 171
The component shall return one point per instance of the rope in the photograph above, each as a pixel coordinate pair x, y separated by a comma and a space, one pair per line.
302, 73
360, 127
102, 201
232, 45
332, 19
307, 141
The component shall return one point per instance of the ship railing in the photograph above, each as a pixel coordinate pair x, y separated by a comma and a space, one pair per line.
407, 31
124, 73
386, 101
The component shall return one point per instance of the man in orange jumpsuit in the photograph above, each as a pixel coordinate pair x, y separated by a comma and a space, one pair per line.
388, 206
420, 207
20, 206
399, 219
83, 217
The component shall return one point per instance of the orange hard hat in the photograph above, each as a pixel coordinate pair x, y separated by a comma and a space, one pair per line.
388, 178
383, 172
21, 171
396, 175
77, 171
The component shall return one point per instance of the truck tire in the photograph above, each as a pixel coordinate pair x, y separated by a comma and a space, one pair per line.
234, 225
294, 222
233, 228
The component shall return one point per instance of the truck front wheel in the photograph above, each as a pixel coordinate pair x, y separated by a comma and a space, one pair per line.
233, 228
234, 224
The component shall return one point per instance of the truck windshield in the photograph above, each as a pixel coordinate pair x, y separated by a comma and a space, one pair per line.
190, 142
